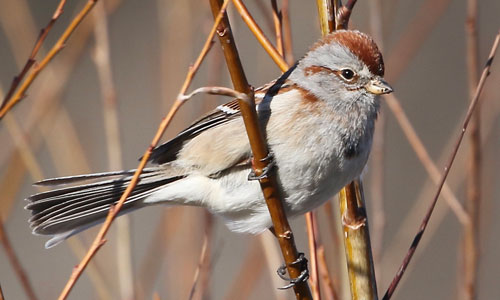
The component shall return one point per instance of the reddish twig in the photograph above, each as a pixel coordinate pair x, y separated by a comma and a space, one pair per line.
447, 168
204, 262
31, 59
58, 46
16, 264
113, 212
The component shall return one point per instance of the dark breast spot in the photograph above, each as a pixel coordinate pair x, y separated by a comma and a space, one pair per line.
351, 149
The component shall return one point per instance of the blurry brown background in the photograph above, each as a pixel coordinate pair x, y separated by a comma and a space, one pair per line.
151, 44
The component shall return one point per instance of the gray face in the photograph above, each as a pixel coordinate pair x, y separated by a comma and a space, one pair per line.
334, 74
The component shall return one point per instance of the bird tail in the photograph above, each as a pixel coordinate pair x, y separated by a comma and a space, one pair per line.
65, 211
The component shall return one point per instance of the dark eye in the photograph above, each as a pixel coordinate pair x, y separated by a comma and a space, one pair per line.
348, 74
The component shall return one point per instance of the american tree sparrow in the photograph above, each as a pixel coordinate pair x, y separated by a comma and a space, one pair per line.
318, 119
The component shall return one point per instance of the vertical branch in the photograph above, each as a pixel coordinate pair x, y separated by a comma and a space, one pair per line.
278, 28
269, 184
287, 33
377, 157
472, 203
352, 208
112, 130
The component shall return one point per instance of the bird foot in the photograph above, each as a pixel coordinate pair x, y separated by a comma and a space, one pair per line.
265, 171
304, 275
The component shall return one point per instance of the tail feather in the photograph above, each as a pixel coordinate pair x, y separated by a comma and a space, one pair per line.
68, 210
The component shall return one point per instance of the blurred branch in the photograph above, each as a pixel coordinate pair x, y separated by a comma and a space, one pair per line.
102, 60
31, 59
313, 236
278, 27
472, 203
330, 291
258, 145
250, 272
447, 168
287, 33
16, 264
199, 289
113, 212
413, 36
424, 157
259, 34
58, 46
377, 156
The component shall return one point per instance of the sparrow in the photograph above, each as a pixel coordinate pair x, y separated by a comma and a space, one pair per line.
318, 119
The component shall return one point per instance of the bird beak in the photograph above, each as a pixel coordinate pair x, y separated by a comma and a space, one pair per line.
378, 86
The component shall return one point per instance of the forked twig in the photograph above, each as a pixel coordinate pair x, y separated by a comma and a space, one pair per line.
447, 168
113, 212
58, 46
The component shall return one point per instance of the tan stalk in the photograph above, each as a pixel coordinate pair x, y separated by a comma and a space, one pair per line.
357, 246
113, 212
471, 243
268, 184
329, 287
58, 46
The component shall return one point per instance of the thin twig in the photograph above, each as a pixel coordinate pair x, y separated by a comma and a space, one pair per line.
113, 212
58, 46
447, 168
472, 203
16, 264
31, 59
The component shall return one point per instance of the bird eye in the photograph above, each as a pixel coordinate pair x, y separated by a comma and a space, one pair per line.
348, 74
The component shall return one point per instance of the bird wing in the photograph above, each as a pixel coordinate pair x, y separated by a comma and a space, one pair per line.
222, 114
